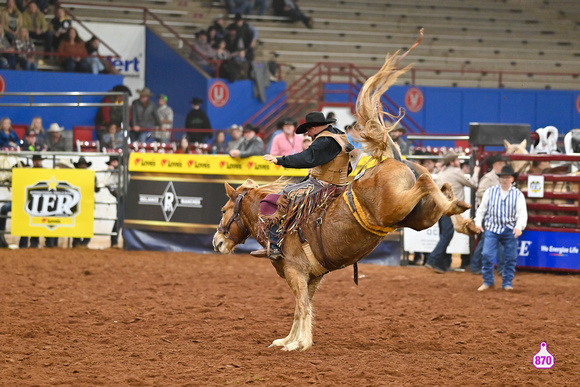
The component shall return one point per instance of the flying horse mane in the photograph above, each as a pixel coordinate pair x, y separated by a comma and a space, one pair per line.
373, 130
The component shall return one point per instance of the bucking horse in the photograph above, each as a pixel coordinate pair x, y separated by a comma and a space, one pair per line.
386, 196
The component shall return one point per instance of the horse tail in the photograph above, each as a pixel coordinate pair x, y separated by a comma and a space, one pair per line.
371, 125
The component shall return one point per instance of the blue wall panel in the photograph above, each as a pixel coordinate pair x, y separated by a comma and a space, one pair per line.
242, 104
518, 107
166, 72
40, 81
442, 110
555, 108
479, 105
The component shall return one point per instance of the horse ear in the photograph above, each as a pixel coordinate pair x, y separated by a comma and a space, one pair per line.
249, 184
230, 190
524, 143
506, 144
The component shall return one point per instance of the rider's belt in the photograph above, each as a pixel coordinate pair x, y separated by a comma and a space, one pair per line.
359, 214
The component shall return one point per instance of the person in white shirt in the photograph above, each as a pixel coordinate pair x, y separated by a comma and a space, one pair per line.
166, 116
503, 207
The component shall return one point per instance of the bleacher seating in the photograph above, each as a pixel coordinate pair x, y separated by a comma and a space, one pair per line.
465, 42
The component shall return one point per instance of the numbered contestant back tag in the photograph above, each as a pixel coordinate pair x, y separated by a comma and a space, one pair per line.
543, 359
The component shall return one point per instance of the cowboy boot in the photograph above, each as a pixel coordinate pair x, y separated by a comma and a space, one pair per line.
273, 250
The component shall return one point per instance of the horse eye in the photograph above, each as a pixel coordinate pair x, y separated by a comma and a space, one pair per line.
223, 212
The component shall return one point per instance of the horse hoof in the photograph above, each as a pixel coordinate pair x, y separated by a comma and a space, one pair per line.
277, 343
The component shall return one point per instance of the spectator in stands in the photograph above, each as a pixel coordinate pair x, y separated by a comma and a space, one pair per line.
233, 42
503, 207
30, 143
11, 20
220, 50
252, 144
307, 142
111, 114
144, 116
439, 260
40, 4
96, 63
331, 116
397, 135
212, 37
276, 132
239, 6
7, 58
288, 142
83, 243
8, 137
261, 6
33, 20
219, 145
59, 25
219, 24
165, 114
289, 9
74, 54
496, 162
247, 34
183, 146
112, 185
197, 119
202, 51
55, 141
36, 125
23, 46
113, 139
235, 132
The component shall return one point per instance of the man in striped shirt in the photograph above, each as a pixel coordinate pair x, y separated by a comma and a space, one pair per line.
506, 216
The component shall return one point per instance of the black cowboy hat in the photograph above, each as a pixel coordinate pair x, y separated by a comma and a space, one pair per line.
112, 158
122, 89
314, 119
196, 101
37, 157
507, 170
82, 160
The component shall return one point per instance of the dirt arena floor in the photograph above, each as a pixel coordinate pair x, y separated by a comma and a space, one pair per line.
116, 318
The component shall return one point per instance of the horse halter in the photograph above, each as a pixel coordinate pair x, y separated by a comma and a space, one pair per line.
235, 216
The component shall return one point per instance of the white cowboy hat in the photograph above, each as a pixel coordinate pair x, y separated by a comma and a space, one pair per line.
54, 127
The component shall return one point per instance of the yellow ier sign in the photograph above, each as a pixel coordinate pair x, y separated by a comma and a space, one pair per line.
208, 165
53, 202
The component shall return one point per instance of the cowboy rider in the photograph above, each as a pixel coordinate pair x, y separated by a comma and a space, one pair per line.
328, 160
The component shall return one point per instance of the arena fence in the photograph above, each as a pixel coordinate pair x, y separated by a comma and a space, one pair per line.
62, 160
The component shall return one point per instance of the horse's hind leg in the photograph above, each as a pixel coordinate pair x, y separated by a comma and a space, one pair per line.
300, 337
445, 199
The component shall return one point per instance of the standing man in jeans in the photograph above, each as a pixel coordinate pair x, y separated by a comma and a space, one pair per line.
439, 260
506, 216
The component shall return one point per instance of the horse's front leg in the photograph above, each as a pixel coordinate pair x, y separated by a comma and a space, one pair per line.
300, 337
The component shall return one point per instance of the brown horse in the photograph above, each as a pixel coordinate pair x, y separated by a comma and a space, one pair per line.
387, 196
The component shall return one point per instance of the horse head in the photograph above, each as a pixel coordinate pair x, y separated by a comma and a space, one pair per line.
232, 229
518, 149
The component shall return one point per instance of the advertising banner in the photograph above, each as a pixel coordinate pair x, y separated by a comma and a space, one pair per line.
53, 202
549, 250
207, 165
174, 204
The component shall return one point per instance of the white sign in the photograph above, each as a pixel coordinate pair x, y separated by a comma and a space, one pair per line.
129, 42
535, 186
